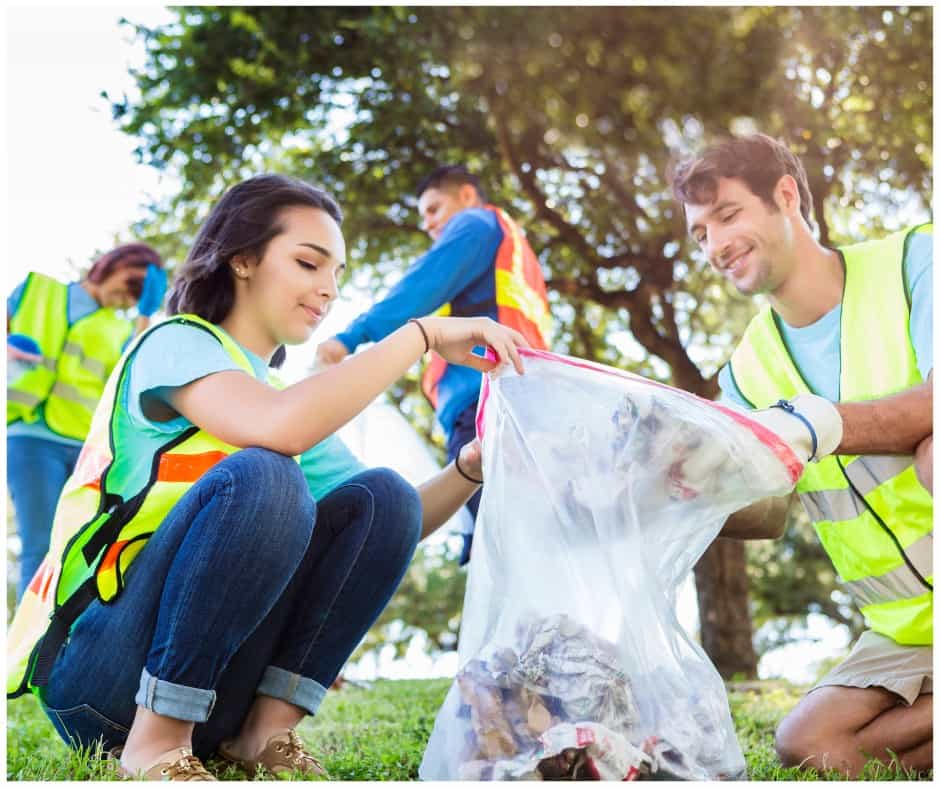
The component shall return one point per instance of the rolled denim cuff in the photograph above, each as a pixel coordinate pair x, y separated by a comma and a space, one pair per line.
174, 700
292, 687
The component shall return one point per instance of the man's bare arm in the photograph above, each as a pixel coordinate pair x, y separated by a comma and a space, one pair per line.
766, 519
891, 425
899, 424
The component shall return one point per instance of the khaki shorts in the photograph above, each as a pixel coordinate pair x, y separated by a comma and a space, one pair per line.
877, 661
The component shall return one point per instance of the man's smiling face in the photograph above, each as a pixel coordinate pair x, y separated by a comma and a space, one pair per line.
747, 241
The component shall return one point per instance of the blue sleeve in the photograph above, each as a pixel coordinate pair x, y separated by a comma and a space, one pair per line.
918, 276
730, 395
170, 357
13, 300
327, 465
465, 250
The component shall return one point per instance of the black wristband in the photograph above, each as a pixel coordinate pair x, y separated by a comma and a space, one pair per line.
788, 407
461, 471
427, 344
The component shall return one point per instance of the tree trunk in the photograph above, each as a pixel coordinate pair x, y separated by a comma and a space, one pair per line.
724, 618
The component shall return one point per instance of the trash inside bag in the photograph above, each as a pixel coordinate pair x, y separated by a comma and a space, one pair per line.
602, 491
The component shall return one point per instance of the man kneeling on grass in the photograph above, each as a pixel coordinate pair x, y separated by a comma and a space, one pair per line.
851, 324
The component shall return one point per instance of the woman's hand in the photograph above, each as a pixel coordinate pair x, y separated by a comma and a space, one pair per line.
471, 459
23, 348
455, 337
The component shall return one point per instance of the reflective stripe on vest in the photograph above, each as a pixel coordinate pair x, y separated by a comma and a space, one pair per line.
70, 393
109, 507
24, 398
521, 298
899, 583
92, 349
872, 515
94, 366
867, 473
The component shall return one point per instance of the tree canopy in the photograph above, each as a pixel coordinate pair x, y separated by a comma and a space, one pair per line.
571, 116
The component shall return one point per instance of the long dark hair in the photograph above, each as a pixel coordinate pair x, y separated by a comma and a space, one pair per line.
243, 221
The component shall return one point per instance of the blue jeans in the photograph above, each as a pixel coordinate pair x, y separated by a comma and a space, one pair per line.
37, 470
237, 594
464, 431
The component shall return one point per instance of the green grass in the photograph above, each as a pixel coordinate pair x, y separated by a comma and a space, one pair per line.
380, 734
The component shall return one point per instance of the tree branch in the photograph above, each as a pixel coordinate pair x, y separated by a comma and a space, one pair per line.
565, 230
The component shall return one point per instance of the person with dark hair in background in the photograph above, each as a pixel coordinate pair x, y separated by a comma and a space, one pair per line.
480, 264
201, 591
853, 325
63, 340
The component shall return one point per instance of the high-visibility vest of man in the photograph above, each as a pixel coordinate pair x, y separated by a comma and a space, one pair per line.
480, 265
852, 324
63, 341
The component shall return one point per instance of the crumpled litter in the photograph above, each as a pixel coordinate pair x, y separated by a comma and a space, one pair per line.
558, 709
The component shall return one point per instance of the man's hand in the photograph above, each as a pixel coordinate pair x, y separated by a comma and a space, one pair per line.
801, 420
330, 353
454, 338
471, 459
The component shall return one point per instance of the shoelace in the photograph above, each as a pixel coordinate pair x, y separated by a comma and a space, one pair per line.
297, 755
188, 767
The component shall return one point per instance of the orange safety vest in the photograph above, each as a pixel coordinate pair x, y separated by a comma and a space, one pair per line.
521, 298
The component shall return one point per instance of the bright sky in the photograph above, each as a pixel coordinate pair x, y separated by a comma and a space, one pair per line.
73, 185
72, 180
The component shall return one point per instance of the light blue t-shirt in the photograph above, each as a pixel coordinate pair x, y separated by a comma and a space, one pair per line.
80, 304
816, 348
177, 354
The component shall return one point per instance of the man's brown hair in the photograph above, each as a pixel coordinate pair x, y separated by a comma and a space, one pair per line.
758, 160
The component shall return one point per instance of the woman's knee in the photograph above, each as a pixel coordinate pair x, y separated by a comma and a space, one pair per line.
397, 506
271, 493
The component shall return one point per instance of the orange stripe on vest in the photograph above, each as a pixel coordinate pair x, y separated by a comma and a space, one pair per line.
112, 555
187, 467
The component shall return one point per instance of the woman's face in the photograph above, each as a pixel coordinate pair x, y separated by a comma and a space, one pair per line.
290, 289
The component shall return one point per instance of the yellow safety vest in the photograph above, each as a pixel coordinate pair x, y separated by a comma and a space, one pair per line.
104, 517
873, 517
77, 359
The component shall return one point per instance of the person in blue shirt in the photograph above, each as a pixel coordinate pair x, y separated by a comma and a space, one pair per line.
39, 459
748, 206
459, 271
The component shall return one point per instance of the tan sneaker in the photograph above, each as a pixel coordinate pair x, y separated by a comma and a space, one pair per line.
186, 768
284, 754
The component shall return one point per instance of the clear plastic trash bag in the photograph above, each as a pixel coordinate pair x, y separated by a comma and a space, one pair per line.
602, 491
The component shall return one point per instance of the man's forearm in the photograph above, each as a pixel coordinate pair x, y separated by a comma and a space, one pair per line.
890, 425
766, 519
